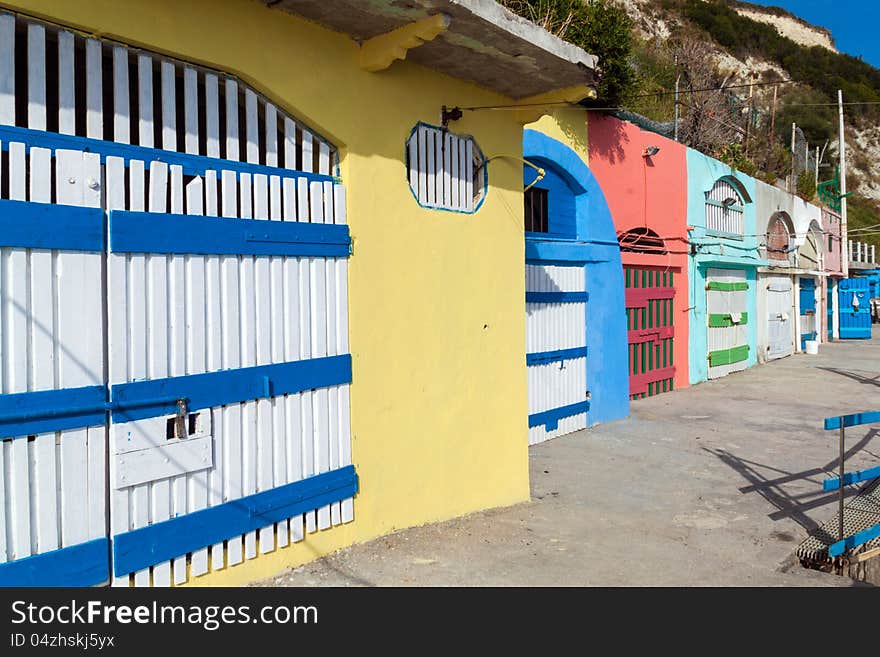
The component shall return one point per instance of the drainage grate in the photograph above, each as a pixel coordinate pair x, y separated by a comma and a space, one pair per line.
859, 513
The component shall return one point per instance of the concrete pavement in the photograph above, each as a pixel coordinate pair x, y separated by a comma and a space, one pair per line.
715, 485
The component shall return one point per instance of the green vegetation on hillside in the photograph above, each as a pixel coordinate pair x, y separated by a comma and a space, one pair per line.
600, 27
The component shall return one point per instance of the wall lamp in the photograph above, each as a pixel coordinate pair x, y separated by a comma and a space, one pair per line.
651, 151
728, 201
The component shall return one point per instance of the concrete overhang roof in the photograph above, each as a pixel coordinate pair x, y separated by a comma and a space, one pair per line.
481, 42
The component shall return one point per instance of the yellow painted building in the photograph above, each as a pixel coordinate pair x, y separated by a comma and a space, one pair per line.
436, 321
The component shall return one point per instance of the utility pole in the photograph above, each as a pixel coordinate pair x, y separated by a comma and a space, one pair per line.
772, 127
817, 166
677, 79
749, 111
791, 185
842, 150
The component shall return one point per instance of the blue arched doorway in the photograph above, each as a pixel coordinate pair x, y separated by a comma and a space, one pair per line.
576, 349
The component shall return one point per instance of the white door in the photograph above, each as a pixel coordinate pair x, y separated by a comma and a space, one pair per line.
556, 352
727, 321
780, 316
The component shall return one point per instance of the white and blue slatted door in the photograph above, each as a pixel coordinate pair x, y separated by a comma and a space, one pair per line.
228, 365
556, 352
175, 317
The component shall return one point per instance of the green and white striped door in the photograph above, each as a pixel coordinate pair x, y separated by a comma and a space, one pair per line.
727, 332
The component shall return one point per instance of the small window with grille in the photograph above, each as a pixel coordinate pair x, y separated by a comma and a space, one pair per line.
536, 218
445, 171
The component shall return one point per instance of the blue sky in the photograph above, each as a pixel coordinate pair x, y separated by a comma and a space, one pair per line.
853, 23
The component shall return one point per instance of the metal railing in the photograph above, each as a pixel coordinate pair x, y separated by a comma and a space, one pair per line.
862, 252
845, 543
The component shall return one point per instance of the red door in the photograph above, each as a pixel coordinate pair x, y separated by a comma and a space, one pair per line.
649, 296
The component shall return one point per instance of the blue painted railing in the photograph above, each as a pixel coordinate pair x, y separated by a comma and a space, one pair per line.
845, 543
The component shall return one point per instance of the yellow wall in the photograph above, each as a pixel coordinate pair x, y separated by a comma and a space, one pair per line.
566, 125
437, 322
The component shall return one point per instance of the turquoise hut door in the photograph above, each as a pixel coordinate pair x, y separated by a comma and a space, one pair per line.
727, 319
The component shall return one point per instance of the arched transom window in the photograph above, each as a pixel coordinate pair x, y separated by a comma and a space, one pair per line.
779, 238
724, 208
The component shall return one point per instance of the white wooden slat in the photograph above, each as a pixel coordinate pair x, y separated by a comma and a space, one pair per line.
330, 198
121, 105
469, 176
302, 199
413, 146
249, 426
177, 352
289, 143
246, 204
454, 197
196, 359
263, 336
216, 484
252, 151
42, 348
320, 397
307, 152
439, 167
280, 435
271, 135
169, 107
341, 264
94, 90
73, 359
231, 358
263, 340
292, 319
17, 172
4, 549
191, 109
323, 157
20, 498
145, 101
158, 345
462, 174
431, 171
7, 69
305, 351
117, 285
41, 281
97, 481
212, 117
421, 187
66, 84
214, 347
232, 152
36, 42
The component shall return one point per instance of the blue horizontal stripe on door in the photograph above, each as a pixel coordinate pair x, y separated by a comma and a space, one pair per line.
557, 297
550, 419
50, 226
84, 564
142, 399
148, 232
168, 539
26, 413
192, 165
541, 357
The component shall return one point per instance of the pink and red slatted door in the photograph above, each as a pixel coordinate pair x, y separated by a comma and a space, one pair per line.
650, 293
